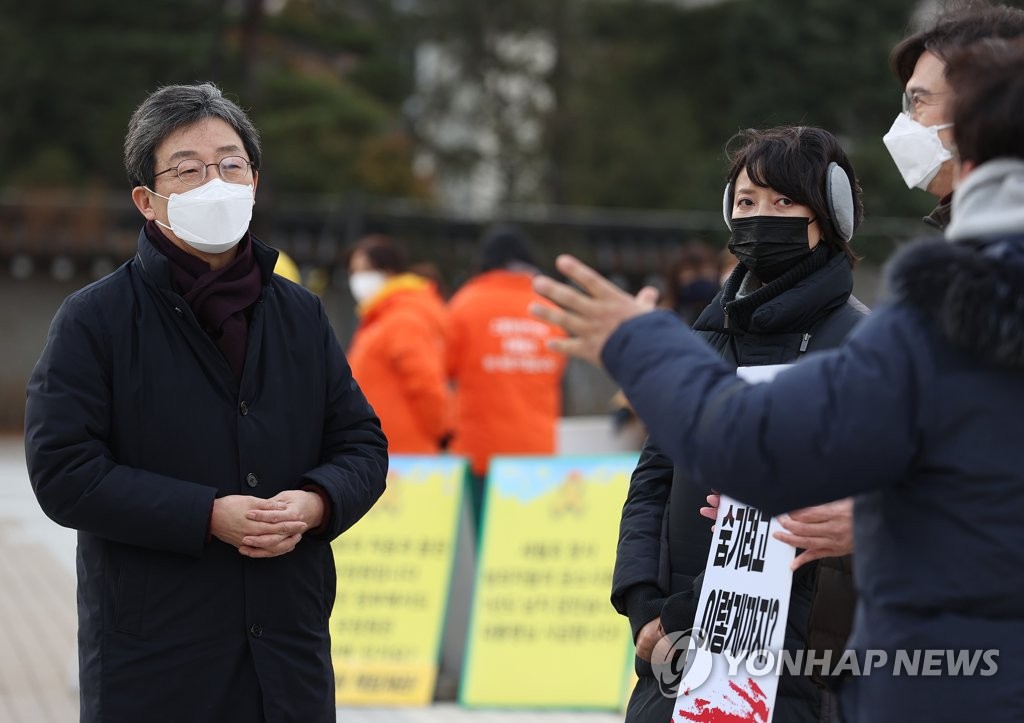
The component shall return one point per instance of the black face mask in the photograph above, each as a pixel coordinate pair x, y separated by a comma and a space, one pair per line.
769, 246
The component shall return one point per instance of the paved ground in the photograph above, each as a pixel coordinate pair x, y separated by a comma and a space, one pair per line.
37, 623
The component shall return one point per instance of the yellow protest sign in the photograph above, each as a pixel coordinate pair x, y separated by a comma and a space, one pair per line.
542, 631
394, 568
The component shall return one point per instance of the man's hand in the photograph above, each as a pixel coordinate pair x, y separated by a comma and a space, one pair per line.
298, 509
233, 522
300, 505
589, 318
647, 638
822, 531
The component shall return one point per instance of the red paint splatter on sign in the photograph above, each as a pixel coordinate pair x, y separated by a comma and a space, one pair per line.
748, 705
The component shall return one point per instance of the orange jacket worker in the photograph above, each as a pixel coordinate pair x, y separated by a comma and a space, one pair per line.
397, 351
508, 394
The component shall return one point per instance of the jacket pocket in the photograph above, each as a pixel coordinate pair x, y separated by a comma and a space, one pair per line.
130, 596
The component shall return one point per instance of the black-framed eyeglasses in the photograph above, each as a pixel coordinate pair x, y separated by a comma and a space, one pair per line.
192, 171
912, 102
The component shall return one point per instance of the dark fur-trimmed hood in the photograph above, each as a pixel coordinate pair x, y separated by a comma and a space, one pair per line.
972, 291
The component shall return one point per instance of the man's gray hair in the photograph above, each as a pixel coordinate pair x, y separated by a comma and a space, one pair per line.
172, 107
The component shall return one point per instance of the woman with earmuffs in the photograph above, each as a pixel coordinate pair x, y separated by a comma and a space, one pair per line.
792, 203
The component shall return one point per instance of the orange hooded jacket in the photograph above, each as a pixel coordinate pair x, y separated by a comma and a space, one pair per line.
508, 384
397, 356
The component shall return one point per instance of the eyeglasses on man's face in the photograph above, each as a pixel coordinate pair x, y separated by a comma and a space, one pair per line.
192, 171
915, 100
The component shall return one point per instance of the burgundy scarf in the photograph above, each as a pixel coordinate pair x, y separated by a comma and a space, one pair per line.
219, 299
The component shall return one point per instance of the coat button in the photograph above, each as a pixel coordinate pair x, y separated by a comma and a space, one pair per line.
178, 311
251, 480
256, 630
243, 408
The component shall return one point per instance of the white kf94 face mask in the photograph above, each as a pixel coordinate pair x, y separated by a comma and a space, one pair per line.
917, 150
212, 218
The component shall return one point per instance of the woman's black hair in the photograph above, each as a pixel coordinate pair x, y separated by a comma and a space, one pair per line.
794, 161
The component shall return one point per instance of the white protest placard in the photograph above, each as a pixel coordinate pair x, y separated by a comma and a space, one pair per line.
740, 623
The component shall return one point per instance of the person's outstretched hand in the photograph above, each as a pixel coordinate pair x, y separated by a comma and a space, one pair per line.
821, 531
588, 318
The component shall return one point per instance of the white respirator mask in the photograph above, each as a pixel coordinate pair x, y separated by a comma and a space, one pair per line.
364, 285
917, 150
212, 218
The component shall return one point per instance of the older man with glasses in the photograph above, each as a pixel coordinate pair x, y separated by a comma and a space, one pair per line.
921, 138
194, 418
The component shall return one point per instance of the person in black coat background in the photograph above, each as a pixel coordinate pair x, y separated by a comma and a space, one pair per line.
917, 415
790, 294
194, 418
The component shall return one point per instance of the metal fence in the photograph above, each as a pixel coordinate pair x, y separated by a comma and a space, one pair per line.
68, 236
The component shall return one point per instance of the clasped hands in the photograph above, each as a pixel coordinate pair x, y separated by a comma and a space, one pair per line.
260, 527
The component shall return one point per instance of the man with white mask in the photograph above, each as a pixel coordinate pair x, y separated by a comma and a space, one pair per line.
921, 138
193, 417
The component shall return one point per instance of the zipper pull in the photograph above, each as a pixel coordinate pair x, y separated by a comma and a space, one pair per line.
805, 342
